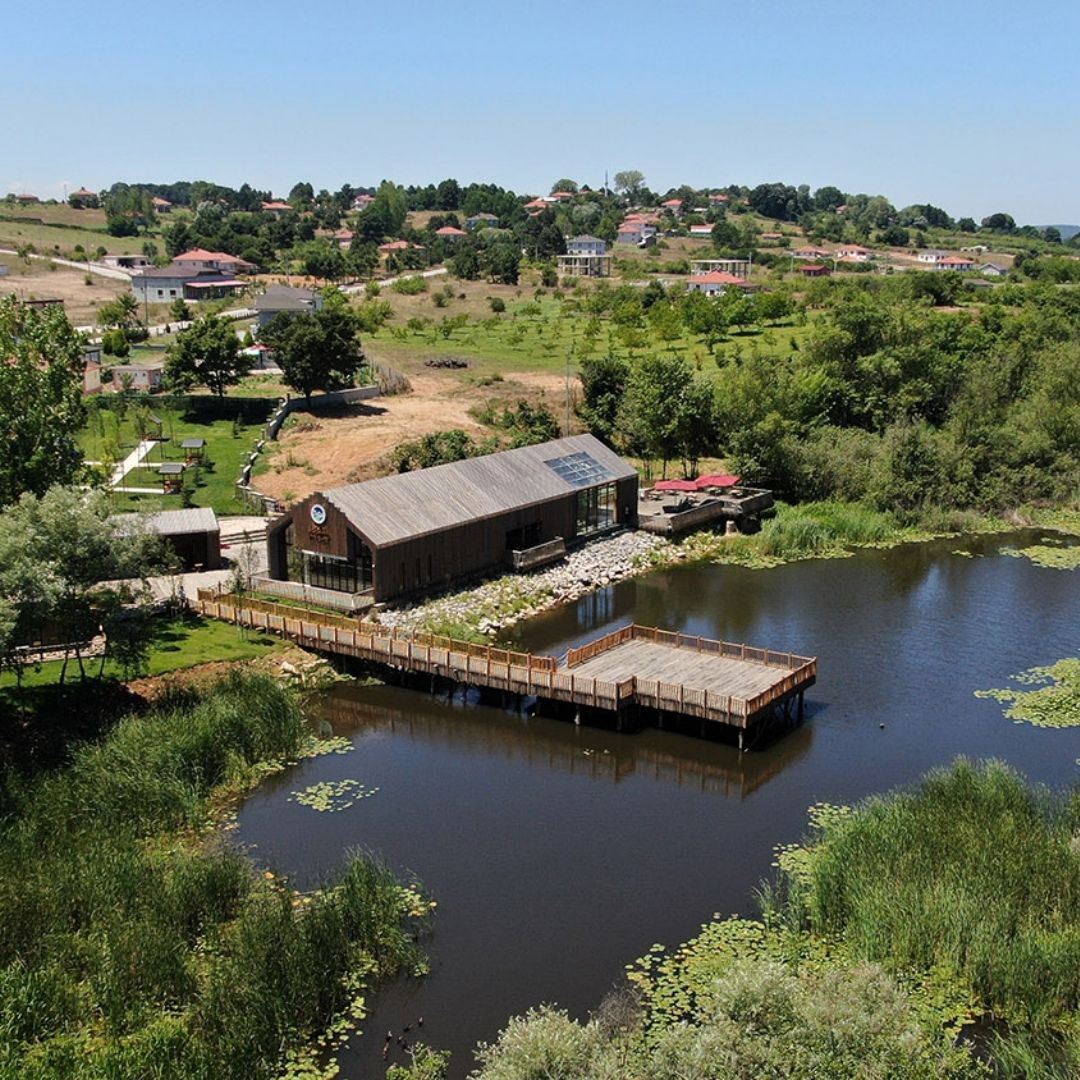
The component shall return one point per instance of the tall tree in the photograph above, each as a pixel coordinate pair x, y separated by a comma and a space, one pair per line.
206, 354
316, 351
629, 182
41, 404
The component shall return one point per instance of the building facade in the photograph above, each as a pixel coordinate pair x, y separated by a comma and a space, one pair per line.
425, 530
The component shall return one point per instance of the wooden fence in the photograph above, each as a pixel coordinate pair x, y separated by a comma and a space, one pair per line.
512, 671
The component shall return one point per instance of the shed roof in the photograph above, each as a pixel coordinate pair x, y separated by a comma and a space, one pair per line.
285, 298
396, 508
181, 522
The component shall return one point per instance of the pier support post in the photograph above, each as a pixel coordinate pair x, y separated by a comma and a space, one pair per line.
742, 740
801, 693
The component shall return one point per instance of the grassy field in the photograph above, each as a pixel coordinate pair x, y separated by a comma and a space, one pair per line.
176, 645
59, 228
108, 436
539, 335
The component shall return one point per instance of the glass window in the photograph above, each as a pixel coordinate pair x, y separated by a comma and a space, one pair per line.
596, 509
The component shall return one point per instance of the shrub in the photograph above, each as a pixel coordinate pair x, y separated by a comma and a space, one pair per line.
498, 304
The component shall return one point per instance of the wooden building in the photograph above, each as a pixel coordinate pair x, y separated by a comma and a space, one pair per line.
427, 529
194, 535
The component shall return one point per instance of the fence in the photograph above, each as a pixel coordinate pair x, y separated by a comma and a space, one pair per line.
505, 669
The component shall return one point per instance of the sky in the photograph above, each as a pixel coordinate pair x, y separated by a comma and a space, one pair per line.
970, 106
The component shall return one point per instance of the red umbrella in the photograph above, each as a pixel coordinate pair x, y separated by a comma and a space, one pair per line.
675, 485
721, 480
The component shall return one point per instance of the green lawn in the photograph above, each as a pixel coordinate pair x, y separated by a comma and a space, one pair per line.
228, 446
17, 228
176, 645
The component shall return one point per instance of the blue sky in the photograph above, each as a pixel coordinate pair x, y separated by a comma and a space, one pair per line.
971, 106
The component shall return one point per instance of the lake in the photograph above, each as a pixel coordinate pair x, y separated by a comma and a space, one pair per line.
558, 854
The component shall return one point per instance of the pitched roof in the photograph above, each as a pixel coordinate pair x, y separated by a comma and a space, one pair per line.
171, 522
956, 260
449, 230
81, 193
585, 238
276, 204
285, 298
411, 504
202, 255
672, 202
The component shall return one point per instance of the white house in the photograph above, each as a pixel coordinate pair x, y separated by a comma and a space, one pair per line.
702, 232
962, 263
853, 252
586, 245
990, 269
931, 256
362, 201
717, 282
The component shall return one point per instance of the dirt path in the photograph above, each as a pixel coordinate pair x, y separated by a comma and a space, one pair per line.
327, 450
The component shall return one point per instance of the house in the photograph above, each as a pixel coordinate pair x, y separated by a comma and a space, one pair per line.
702, 232
284, 298
194, 535
636, 233
853, 252
931, 255
362, 201
140, 377
201, 259
27, 200
717, 282
719, 200
127, 262
276, 207
535, 205
343, 238
425, 530
990, 269
160, 205
586, 256
960, 263
162, 285
394, 245
448, 232
586, 245
739, 267
83, 199
673, 206
975, 249
482, 220
809, 269
811, 252
558, 197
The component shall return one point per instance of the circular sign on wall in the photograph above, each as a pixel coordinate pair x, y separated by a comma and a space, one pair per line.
318, 513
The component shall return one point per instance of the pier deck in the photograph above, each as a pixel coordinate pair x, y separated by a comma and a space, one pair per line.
648, 661
631, 669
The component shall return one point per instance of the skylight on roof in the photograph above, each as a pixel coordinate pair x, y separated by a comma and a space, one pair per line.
579, 470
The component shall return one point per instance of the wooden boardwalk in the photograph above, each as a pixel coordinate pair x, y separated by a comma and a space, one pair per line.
633, 668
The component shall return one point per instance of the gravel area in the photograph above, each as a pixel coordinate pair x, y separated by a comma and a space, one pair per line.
500, 602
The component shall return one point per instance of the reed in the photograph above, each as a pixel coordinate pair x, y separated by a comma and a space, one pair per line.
135, 943
972, 871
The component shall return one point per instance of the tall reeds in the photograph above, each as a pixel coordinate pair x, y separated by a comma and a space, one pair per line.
134, 943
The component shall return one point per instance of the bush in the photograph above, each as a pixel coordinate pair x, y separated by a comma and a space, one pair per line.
498, 304
410, 286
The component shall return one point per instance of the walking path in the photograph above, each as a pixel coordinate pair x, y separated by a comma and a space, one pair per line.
132, 461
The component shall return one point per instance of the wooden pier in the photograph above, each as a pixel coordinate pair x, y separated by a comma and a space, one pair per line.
630, 671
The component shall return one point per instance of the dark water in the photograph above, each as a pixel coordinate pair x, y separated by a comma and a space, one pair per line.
559, 854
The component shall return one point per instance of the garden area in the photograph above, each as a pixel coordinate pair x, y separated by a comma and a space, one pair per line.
115, 426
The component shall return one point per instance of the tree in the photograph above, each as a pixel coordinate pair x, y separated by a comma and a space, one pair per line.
565, 185
1052, 234
603, 384
128, 209
966, 224
206, 354
501, 262
648, 420
629, 182
41, 403
56, 550
316, 351
179, 310
448, 195
120, 314
999, 223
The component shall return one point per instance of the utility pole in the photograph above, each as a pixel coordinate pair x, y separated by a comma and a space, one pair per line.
566, 429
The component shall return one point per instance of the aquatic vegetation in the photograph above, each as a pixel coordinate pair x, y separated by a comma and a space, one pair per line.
1054, 701
332, 796
134, 941
1053, 557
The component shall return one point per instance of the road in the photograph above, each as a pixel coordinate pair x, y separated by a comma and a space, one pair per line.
86, 267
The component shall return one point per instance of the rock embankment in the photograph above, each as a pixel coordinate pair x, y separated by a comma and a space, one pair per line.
500, 602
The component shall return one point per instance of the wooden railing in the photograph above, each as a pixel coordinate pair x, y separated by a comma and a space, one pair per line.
517, 672
634, 632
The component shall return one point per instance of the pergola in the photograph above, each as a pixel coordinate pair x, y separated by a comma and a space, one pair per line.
172, 477
193, 449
